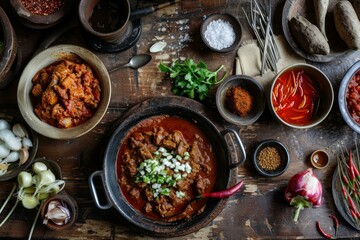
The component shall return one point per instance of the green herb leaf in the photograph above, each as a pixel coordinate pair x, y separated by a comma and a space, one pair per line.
192, 80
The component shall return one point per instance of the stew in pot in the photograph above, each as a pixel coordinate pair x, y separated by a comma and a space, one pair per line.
163, 163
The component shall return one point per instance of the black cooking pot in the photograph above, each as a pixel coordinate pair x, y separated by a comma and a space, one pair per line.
219, 138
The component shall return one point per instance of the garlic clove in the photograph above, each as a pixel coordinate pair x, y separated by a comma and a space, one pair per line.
4, 151
27, 143
157, 47
57, 212
24, 155
12, 157
19, 130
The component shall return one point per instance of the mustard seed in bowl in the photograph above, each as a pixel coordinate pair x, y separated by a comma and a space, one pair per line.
269, 158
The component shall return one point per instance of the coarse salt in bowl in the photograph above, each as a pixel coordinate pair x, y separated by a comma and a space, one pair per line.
221, 32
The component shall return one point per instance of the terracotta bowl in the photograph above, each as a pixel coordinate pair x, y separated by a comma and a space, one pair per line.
86, 9
227, 18
8, 54
37, 21
43, 60
326, 95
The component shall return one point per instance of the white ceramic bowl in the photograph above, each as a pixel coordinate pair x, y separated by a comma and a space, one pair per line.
46, 58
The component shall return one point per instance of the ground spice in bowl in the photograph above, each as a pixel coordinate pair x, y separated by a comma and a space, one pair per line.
42, 7
239, 101
269, 159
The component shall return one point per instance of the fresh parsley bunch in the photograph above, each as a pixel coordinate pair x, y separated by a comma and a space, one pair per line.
191, 80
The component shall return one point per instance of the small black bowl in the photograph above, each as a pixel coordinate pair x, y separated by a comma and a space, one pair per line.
284, 155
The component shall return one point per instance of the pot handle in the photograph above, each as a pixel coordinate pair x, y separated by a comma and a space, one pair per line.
239, 143
94, 192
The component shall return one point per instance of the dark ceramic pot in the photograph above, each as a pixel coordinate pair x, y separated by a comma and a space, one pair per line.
86, 9
8, 55
218, 136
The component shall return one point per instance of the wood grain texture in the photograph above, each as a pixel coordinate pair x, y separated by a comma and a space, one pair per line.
259, 211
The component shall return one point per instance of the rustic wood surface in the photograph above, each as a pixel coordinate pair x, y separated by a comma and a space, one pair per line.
259, 210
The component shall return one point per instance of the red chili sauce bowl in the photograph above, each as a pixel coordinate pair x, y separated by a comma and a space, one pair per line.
301, 96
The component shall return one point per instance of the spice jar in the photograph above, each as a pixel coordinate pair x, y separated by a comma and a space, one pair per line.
59, 212
319, 159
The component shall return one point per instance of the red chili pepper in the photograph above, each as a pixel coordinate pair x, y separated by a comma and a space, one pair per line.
223, 194
326, 235
336, 222
351, 167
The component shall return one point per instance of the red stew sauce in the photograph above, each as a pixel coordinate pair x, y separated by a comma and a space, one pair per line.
295, 97
353, 97
180, 150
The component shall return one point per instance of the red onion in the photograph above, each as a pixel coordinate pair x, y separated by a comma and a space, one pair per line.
304, 190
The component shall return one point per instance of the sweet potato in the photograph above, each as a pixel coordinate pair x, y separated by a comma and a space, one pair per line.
347, 24
321, 7
308, 36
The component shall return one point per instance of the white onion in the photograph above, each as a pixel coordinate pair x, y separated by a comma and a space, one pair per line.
13, 143
27, 143
4, 151
12, 157
4, 124
5, 134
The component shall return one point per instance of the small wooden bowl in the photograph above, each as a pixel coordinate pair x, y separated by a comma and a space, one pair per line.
72, 205
319, 159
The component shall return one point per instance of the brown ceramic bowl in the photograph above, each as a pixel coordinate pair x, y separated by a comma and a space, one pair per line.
254, 88
227, 18
9, 51
40, 21
86, 9
326, 94
44, 59
71, 205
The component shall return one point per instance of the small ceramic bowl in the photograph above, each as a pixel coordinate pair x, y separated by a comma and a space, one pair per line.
227, 18
38, 20
43, 60
12, 116
319, 159
283, 153
344, 86
9, 51
254, 88
71, 205
322, 107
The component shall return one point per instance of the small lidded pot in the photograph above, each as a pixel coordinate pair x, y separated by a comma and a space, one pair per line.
319, 159
59, 212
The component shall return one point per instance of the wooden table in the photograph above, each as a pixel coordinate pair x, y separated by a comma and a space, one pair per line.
259, 210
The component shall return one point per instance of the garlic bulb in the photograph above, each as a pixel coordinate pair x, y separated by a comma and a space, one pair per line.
58, 212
